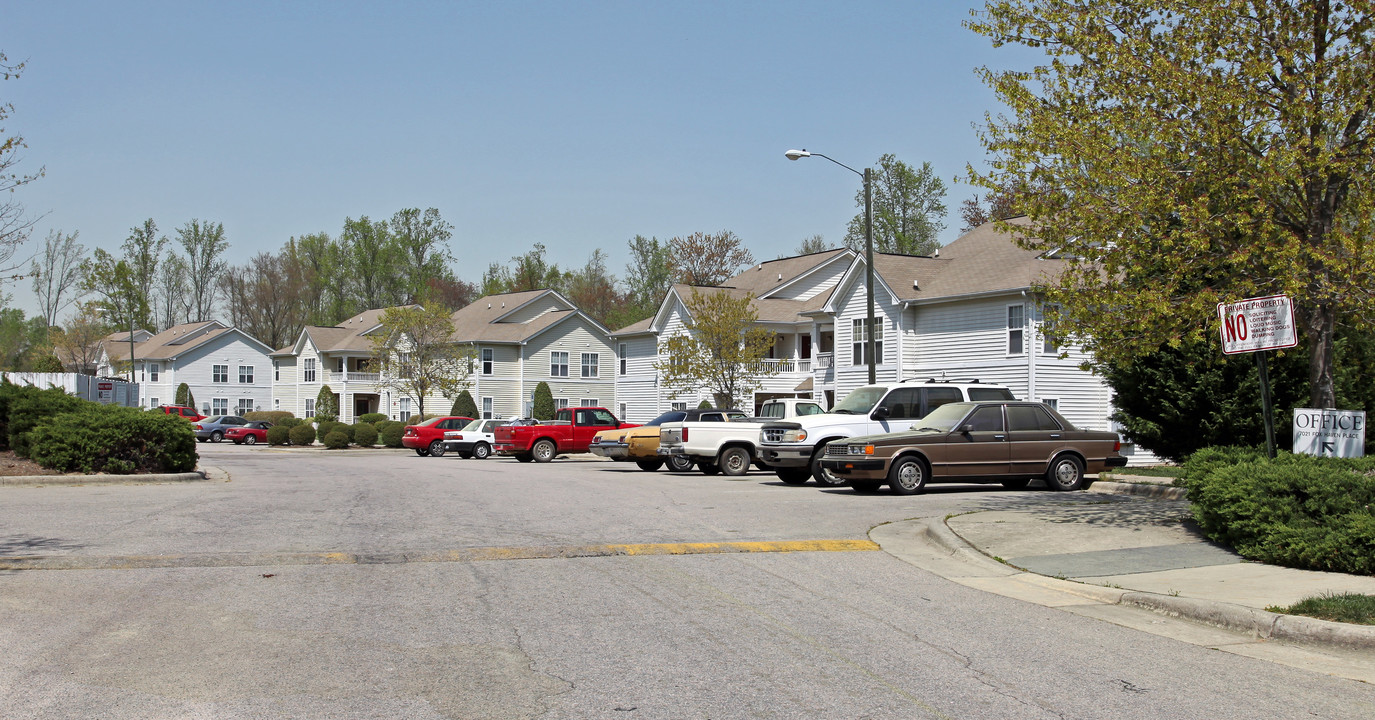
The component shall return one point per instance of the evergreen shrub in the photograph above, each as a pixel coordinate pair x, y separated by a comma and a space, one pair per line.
326, 405
364, 434
106, 438
28, 409
390, 433
336, 439
542, 407
1296, 510
291, 422
324, 427
278, 435
372, 418
464, 405
303, 434
273, 416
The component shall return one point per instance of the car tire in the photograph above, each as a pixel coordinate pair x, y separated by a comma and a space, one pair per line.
708, 468
1065, 473
544, 451
679, 463
437, 448
793, 475
216, 436
422, 452
524, 457
734, 461
465, 454
864, 486
1017, 484
482, 451
649, 465
907, 476
251, 439
823, 477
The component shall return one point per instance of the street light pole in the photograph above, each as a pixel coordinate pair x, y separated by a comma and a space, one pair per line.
870, 340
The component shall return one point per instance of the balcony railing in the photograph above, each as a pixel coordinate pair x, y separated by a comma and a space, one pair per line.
824, 360
351, 377
783, 365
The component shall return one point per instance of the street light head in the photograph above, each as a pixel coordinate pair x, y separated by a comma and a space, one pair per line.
795, 154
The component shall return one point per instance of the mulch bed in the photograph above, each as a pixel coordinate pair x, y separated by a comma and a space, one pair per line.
11, 465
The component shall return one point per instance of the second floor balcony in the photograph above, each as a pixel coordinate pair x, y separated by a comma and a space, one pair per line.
342, 377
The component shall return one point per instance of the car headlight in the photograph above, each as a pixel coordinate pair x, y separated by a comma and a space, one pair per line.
798, 435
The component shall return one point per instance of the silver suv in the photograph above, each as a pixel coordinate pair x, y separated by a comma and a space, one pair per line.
794, 448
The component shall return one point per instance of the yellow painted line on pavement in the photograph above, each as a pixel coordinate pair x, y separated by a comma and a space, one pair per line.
481, 554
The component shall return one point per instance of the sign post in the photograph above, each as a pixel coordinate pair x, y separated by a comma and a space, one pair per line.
1256, 325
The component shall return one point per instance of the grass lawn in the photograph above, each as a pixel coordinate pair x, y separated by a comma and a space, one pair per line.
1169, 471
1344, 607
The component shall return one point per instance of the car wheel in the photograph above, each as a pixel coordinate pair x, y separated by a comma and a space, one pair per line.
709, 469
1017, 484
437, 448
823, 477
734, 461
422, 452
544, 451
216, 436
482, 451
1066, 473
524, 457
679, 463
793, 475
251, 439
864, 486
907, 476
649, 465
465, 454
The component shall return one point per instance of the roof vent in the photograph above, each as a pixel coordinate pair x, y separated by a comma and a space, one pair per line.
915, 286
761, 267
780, 277
503, 304
489, 306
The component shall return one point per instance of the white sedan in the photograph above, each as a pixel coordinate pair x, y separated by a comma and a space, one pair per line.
474, 440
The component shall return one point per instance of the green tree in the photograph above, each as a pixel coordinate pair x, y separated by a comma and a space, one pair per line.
592, 289
422, 242
648, 275
143, 252
464, 405
419, 353
47, 363
908, 206
326, 405
184, 396
722, 349
1215, 151
21, 339
542, 404
371, 263
205, 246
115, 286
532, 272
707, 259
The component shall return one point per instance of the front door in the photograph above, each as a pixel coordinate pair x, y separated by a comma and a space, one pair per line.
361, 406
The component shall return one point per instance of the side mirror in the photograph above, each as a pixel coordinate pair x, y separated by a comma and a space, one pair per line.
880, 413
966, 428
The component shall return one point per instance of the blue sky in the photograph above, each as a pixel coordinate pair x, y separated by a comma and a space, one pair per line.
573, 124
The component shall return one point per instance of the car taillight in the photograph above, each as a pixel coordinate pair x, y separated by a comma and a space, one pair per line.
1117, 446
198, 426
685, 434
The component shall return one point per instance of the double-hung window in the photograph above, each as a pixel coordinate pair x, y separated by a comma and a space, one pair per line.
405, 412
589, 364
245, 406
487, 359
558, 364
486, 408
310, 407
219, 406
1016, 323
308, 374
859, 336
245, 374
153, 370
1048, 346
620, 352
220, 374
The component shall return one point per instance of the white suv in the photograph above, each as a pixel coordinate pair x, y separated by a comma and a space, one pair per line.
794, 448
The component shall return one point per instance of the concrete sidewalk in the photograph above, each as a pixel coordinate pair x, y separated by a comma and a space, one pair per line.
1109, 556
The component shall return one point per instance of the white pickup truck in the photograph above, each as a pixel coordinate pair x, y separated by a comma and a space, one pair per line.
794, 448
728, 447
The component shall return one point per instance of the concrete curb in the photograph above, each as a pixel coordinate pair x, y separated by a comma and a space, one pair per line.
1260, 623
1148, 490
38, 480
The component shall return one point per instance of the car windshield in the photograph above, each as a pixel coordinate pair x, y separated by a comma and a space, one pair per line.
474, 426
861, 401
671, 416
943, 419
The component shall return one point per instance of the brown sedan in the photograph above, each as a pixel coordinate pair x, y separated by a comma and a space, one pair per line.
976, 442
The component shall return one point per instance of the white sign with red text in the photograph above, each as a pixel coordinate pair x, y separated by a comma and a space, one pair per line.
1264, 323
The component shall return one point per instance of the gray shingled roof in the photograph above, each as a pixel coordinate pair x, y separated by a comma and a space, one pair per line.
165, 345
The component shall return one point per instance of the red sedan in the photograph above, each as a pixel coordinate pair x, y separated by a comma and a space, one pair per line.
427, 438
251, 434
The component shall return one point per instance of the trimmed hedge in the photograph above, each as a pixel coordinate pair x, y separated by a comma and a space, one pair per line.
290, 422
325, 427
336, 440
372, 418
273, 416
1296, 510
28, 407
279, 435
104, 438
364, 435
302, 434
390, 433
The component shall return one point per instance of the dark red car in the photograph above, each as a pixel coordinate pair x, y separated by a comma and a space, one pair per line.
427, 438
182, 411
251, 434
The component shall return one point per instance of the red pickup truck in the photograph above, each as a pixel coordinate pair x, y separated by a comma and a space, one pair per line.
571, 431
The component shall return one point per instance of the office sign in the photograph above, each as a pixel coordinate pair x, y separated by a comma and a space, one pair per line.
1264, 323
1329, 433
